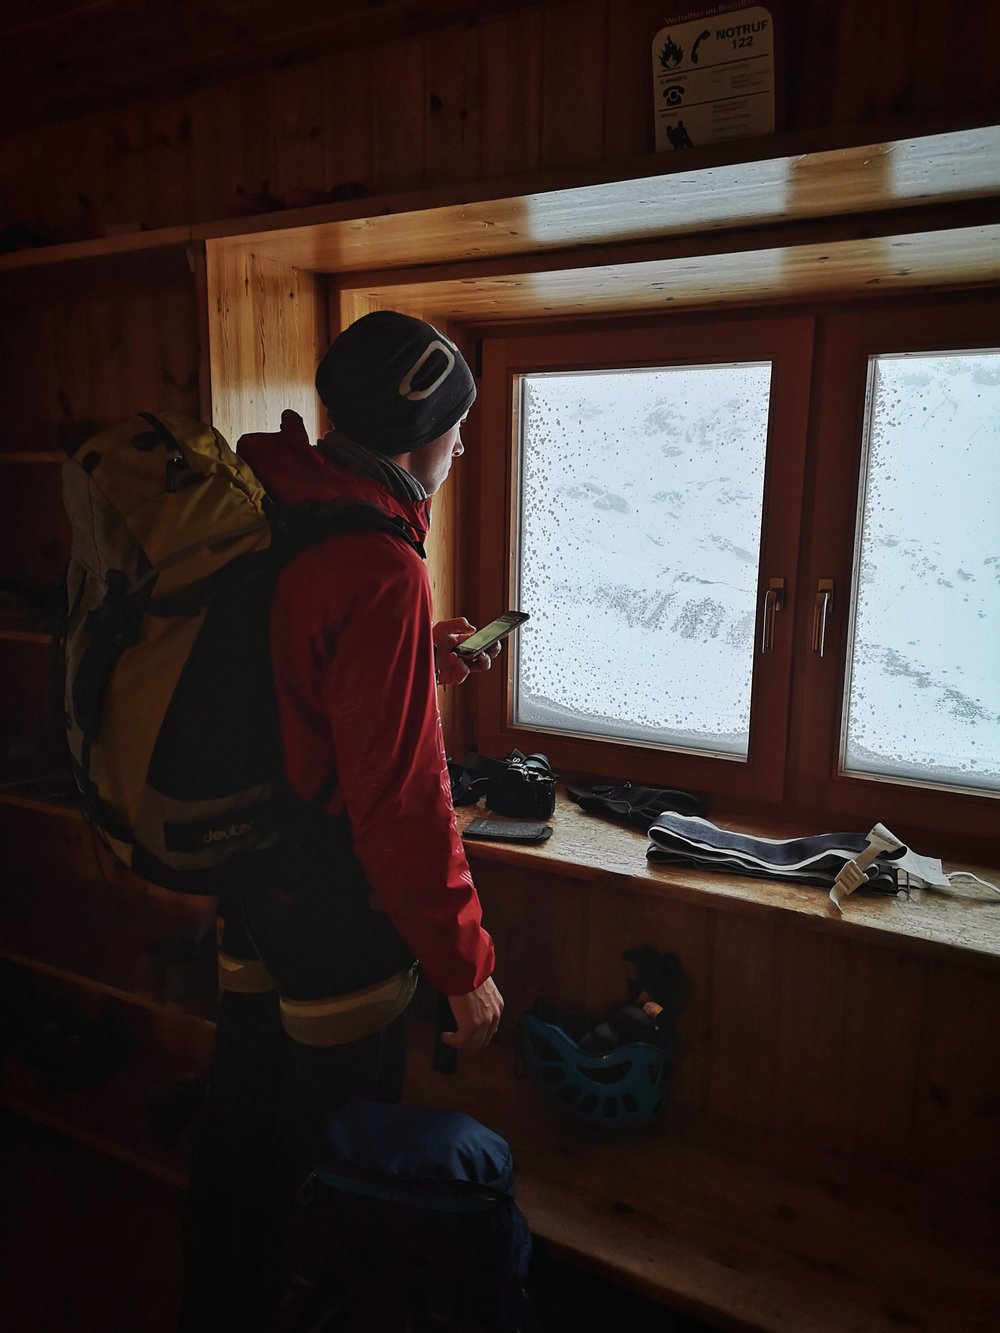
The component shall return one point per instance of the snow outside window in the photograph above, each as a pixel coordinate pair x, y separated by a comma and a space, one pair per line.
641, 495
922, 697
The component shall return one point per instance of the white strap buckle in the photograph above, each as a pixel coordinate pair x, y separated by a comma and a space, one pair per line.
853, 874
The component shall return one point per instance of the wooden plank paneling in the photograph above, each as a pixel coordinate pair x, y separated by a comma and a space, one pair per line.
27, 384
573, 82
810, 40
560, 82
348, 146
454, 102
70, 899
863, 85
32, 738
233, 356
117, 56
399, 94
809, 1036
231, 144
43, 172
78, 192
297, 100
949, 69
198, 263
117, 337
511, 83
879, 1054
176, 329
24, 187
266, 331
34, 536
629, 101
547, 957
746, 1004
76, 411
113, 52
956, 1138
133, 197
167, 160
104, 350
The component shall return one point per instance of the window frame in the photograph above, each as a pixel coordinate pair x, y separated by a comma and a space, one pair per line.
845, 343
831, 389
708, 340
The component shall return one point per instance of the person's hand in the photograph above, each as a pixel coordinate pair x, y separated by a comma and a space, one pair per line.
477, 1016
452, 669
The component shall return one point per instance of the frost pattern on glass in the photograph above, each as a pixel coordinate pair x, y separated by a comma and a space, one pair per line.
923, 693
640, 517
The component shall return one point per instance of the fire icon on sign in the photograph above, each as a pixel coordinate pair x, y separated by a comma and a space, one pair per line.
671, 55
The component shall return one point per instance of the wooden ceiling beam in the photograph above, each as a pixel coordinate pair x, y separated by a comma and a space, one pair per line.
943, 260
692, 194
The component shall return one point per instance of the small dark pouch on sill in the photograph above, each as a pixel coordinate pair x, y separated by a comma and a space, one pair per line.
638, 806
507, 830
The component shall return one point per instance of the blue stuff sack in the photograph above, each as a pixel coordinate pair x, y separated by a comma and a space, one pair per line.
427, 1190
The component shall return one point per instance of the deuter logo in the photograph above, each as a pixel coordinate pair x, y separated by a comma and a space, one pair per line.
225, 834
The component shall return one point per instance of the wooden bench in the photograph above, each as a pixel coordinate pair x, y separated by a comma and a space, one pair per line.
829, 1160
729, 1224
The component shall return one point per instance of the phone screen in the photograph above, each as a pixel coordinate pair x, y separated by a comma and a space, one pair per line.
492, 633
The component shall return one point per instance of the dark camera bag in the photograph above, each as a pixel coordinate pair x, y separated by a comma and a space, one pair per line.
520, 785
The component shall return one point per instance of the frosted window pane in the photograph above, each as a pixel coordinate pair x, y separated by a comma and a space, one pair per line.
640, 517
923, 695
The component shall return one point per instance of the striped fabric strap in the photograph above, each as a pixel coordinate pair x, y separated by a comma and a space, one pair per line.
244, 976
817, 859
345, 1018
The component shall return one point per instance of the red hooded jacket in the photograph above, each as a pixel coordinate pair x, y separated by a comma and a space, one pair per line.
353, 660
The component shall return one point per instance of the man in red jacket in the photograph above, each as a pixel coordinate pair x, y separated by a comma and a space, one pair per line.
318, 972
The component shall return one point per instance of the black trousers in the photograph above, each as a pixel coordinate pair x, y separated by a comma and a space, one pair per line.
268, 1099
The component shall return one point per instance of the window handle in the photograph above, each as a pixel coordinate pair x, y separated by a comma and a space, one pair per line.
774, 601
821, 609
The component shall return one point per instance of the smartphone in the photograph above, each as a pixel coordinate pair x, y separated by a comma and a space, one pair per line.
490, 634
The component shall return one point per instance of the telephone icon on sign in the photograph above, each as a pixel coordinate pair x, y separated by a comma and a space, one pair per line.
698, 41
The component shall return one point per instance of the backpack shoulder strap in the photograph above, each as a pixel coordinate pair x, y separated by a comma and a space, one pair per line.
301, 525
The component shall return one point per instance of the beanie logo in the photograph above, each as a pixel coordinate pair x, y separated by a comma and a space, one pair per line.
406, 389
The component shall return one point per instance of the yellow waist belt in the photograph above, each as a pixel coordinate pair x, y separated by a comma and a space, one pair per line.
331, 1022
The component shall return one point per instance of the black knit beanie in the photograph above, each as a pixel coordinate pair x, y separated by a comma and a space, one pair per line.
394, 383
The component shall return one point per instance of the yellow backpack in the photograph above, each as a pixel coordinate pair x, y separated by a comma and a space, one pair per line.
170, 712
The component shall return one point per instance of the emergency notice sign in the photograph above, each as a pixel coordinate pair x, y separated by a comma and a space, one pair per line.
713, 78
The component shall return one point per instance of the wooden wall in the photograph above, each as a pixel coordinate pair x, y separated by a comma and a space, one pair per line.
882, 1054
266, 333
541, 87
78, 345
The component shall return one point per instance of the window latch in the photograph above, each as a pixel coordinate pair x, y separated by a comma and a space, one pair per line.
821, 609
774, 601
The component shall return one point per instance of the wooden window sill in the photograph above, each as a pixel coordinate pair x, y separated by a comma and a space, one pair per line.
584, 846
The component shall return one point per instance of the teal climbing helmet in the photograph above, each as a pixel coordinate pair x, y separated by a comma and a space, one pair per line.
622, 1088
610, 1069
